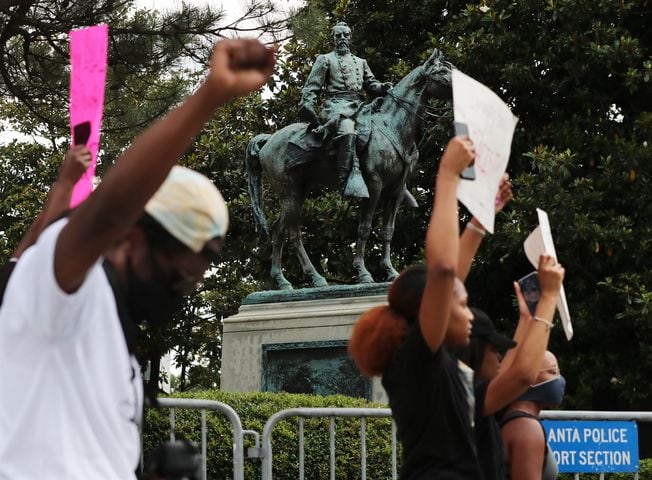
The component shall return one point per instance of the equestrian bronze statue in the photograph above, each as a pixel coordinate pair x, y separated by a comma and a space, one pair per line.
299, 158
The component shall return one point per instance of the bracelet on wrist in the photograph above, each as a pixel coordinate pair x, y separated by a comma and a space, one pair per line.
543, 320
478, 230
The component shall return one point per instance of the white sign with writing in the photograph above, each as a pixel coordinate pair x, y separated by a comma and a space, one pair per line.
491, 125
538, 242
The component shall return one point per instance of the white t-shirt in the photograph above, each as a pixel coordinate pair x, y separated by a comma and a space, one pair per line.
70, 393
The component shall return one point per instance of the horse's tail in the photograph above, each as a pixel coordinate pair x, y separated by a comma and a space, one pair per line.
255, 179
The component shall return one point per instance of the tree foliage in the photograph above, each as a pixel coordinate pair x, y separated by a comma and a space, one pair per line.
576, 74
155, 58
152, 60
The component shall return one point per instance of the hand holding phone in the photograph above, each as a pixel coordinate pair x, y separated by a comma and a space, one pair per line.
469, 172
531, 290
81, 133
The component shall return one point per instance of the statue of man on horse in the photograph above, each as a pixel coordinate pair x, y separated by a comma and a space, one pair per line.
300, 158
343, 78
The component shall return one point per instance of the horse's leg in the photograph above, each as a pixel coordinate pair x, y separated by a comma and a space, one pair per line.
367, 210
306, 265
293, 209
389, 217
279, 235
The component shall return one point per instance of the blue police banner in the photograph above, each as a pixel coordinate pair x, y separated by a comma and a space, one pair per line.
588, 446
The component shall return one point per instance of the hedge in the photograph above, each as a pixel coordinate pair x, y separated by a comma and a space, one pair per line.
255, 408
644, 473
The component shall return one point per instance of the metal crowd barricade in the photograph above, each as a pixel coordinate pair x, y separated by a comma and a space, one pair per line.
266, 452
595, 415
263, 450
228, 412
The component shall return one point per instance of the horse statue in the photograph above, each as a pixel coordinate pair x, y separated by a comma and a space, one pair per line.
387, 158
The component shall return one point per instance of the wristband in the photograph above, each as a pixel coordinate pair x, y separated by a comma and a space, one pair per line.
478, 230
543, 320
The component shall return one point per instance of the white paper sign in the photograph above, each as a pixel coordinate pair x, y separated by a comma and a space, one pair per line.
538, 242
491, 127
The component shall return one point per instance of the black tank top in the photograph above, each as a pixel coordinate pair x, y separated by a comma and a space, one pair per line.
550, 469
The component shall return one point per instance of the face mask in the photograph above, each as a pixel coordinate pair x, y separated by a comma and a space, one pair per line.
550, 392
152, 300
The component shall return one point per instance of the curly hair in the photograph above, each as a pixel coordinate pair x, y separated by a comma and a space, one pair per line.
375, 336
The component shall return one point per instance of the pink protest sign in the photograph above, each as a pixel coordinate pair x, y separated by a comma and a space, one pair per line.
88, 59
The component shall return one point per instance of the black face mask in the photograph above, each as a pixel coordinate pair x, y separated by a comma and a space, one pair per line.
151, 300
550, 392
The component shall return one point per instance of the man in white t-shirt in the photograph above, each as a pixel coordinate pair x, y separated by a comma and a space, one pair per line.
70, 390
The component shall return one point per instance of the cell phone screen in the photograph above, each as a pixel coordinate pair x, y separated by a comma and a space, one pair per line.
531, 290
468, 173
81, 133
462, 129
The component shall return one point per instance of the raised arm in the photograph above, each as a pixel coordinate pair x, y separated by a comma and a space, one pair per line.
74, 165
514, 379
524, 322
237, 68
475, 232
442, 243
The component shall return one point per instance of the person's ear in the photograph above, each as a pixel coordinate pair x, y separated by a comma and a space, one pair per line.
134, 246
135, 239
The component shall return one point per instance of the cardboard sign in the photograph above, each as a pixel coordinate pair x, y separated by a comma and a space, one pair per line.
88, 62
491, 126
540, 241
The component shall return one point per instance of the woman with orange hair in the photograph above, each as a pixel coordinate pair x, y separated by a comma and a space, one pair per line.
430, 392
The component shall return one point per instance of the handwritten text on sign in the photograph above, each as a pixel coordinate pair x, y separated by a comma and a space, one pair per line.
583, 446
491, 126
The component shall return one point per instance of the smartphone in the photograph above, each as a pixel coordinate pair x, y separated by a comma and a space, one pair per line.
81, 133
531, 290
462, 129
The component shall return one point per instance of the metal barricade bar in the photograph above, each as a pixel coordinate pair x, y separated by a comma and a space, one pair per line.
594, 415
264, 449
331, 414
223, 408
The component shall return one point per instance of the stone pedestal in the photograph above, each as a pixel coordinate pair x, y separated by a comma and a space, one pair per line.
296, 341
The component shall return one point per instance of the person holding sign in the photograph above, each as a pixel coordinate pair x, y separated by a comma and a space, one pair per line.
527, 455
70, 388
430, 391
497, 384
74, 165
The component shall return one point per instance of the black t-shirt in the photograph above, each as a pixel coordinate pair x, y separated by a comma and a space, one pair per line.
488, 438
432, 410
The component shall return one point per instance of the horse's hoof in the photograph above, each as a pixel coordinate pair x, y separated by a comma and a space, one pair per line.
391, 275
285, 285
365, 278
319, 282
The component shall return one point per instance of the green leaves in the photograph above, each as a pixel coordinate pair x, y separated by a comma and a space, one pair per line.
155, 59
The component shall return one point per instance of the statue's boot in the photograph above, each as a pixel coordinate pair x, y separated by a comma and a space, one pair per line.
350, 178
